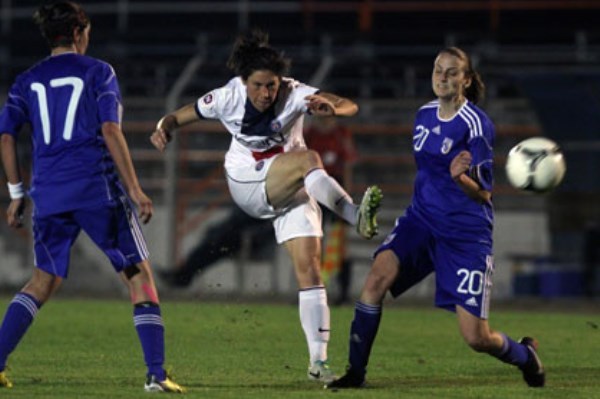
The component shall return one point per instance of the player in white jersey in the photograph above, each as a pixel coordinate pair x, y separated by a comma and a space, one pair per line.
271, 173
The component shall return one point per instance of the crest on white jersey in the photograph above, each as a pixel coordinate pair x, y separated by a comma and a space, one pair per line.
276, 126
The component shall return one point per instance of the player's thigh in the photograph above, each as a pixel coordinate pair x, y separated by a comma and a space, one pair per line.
410, 241
286, 176
247, 187
53, 237
116, 231
301, 218
299, 228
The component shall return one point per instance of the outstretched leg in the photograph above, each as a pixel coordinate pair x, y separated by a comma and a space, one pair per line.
328, 192
523, 354
292, 170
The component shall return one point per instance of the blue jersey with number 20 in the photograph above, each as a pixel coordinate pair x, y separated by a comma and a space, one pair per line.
444, 230
66, 98
437, 200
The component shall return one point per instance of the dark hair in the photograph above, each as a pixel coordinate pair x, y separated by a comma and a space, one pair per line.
251, 52
476, 91
58, 19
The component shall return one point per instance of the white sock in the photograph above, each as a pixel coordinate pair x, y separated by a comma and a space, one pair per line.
314, 317
328, 192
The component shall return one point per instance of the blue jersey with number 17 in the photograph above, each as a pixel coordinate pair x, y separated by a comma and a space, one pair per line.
66, 98
437, 200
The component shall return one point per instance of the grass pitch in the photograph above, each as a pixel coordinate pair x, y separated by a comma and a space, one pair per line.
89, 349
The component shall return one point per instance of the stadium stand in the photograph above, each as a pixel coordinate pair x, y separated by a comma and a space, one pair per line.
533, 55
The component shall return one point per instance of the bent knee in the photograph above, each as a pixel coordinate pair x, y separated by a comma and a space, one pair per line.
138, 275
376, 286
42, 285
312, 160
313, 156
309, 274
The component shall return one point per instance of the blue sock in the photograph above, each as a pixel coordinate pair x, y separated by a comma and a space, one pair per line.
19, 316
513, 352
149, 326
362, 334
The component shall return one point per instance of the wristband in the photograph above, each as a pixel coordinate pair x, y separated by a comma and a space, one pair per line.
160, 124
16, 191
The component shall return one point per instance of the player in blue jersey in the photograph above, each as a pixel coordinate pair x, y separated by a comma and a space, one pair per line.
272, 175
447, 229
73, 105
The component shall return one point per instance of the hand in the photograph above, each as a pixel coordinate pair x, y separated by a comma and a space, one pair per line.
15, 212
319, 105
143, 203
160, 138
460, 164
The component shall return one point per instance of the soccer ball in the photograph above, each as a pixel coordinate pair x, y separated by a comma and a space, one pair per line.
536, 164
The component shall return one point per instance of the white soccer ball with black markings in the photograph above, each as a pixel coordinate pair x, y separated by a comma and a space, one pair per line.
536, 164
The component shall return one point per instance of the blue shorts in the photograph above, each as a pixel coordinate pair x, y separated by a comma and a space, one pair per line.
115, 229
463, 269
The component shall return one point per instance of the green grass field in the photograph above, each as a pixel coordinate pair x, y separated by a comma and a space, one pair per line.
88, 349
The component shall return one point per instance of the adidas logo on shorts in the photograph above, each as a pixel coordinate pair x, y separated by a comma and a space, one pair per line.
472, 302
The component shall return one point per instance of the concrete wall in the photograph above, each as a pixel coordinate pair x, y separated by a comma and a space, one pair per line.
522, 233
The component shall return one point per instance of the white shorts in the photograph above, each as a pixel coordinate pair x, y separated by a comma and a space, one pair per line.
300, 218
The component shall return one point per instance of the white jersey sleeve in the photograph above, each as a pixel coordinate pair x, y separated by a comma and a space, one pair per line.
296, 93
214, 103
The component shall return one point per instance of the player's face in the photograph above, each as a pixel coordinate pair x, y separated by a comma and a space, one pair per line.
262, 87
82, 39
448, 79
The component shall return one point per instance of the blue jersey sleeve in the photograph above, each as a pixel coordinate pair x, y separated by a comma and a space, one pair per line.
107, 93
14, 114
481, 148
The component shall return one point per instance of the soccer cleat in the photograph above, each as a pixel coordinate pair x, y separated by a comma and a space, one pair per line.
167, 385
4, 381
366, 221
348, 380
320, 371
533, 371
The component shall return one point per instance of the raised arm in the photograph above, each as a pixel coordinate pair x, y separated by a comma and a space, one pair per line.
117, 146
10, 162
165, 126
328, 104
